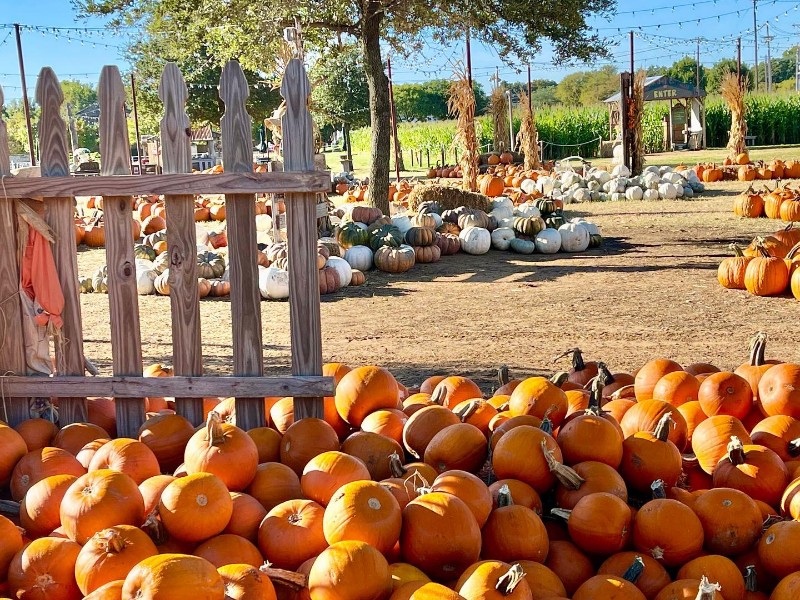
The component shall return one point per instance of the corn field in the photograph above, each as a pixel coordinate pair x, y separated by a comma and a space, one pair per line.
773, 119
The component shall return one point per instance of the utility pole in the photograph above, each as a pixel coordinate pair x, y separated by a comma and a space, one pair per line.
496, 76
469, 57
25, 103
136, 126
394, 120
530, 99
755, 42
73, 132
632, 67
697, 65
768, 66
797, 69
510, 121
739, 59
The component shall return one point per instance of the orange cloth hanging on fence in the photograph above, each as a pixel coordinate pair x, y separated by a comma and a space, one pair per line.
39, 279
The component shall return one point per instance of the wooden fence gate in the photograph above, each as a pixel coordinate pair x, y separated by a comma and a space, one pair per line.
57, 189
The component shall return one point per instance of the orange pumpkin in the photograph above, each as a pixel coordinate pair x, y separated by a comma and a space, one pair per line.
166, 436
350, 570
39, 511
291, 533
641, 569
195, 507
718, 569
304, 440
453, 390
364, 390
227, 549
244, 581
274, 483
37, 433
423, 425
650, 374
471, 490
523, 454
494, 580
654, 532
711, 437
45, 568
75, 436
461, 446
731, 520
539, 397
173, 577
110, 554
329, 471
127, 456
755, 470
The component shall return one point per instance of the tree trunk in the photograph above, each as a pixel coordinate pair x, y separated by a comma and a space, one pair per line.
378, 85
347, 147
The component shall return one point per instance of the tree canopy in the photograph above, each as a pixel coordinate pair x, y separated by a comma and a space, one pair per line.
588, 87
685, 70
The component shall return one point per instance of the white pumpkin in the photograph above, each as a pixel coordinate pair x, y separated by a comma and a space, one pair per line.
507, 222
666, 191
501, 238
527, 209
548, 241
574, 237
402, 222
593, 185
145, 278
475, 240
502, 212
359, 257
273, 283
202, 235
621, 171
342, 267
528, 186
616, 196
263, 223
650, 195
594, 228
678, 190
651, 180
634, 193
581, 195
502, 202
570, 178
545, 185
601, 176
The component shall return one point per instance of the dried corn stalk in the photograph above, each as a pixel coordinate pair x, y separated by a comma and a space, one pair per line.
635, 113
733, 92
462, 104
528, 135
498, 107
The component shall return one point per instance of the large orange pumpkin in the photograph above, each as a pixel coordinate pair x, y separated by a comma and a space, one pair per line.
174, 577
195, 507
539, 397
39, 510
364, 390
711, 437
35, 466
350, 570
166, 435
223, 450
99, 500
730, 518
461, 446
110, 554
725, 393
291, 533
227, 549
655, 533
127, 456
274, 483
243, 582
45, 569
327, 472
779, 390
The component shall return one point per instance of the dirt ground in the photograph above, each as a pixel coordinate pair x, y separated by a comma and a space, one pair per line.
650, 291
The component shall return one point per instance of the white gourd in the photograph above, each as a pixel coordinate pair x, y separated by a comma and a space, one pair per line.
678, 190
501, 213
527, 209
545, 185
602, 176
650, 194
528, 186
402, 222
475, 240
508, 222
616, 196
501, 238
548, 241
273, 283
581, 195
145, 279
651, 180
621, 171
202, 235
593, 185
502, 202
574, 237
666, 191
359, 257
343, 268
594, 228
634, 193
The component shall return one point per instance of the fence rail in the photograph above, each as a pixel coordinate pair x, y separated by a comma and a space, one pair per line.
56, 190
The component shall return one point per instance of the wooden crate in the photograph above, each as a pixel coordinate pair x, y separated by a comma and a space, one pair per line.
239, 184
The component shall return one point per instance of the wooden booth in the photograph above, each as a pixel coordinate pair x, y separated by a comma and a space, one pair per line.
685, 124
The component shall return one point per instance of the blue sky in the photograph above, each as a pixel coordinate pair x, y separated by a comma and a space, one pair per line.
665, 30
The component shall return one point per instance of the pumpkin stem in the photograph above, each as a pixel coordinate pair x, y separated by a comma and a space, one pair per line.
602, 371
503, 407
438, 395
661, 432
577, 358
635, 570
794, 447
154, 528
287, 579
396, 466
214, 432
750, 579
707, 590
625, 391
561, 513
735, 451
737, 251
508, 582
504, 496
113, 541
466, 411
658, 489
567, 476
502, 375
9, 507
758, 348
595, 396
761, 247
547, 425
559, 378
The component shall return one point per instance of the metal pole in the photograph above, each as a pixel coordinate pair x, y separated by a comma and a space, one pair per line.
469, 57
697, 61
510, 121
73, 132
797, 70
632, 67
768, 65
739, 59
755, 42
136, 125
25, 103
394, 120
530, 101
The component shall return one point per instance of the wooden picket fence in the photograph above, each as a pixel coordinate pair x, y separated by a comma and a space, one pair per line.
57, 189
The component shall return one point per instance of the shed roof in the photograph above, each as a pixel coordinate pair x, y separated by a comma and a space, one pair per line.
661, 87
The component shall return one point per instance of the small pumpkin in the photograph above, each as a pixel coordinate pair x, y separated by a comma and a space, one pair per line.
358, 277
420, 236
395, 259
529, 226
161, 283
448, 243
731, 270
427, 254
351, 234
210, 265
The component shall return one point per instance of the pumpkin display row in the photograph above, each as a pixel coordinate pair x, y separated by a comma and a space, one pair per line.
741, 168
781, 203
767, 267
669, 482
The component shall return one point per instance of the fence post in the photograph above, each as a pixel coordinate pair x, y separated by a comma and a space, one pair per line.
301, 229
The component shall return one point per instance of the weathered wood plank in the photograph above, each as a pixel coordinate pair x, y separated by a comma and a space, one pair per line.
190, 387
190, 183
12, 345
59, 211
187, 352
126, 338
236, 127
301, 230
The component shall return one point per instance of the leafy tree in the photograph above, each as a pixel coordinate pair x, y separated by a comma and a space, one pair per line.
654, 70
251, 30
418, 101
14, 116
685, 70
588, 87
80, 95
783, 68
718, 71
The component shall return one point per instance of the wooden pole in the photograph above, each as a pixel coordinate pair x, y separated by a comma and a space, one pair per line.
394, 120
530, 101
136, 126
739, 59
697, 67
755, 42
469, 57
632, 66
25, 102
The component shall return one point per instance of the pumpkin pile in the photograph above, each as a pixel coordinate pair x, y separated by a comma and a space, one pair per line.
665, 483
741, 168
781, 203
767, 267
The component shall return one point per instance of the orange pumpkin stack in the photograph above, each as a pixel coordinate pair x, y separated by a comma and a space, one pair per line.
566, 488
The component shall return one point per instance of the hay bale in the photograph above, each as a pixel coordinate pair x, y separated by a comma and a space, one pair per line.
449, 198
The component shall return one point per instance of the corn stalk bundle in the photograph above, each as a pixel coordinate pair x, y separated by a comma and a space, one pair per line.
733, 92
448, 197
635, 114
498, 108
528, 135
462, 104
